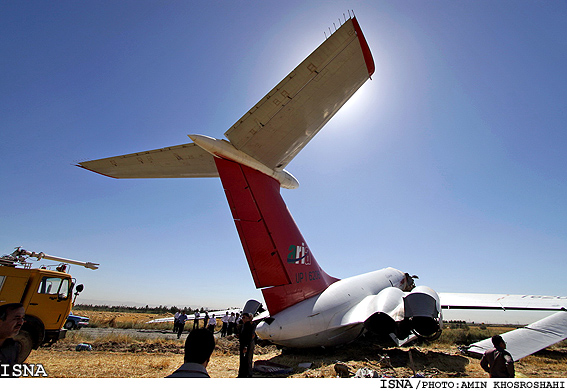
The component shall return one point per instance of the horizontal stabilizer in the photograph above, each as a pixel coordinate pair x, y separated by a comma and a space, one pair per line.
180, 161
527, 340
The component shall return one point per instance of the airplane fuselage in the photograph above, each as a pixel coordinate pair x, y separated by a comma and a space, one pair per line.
329, 318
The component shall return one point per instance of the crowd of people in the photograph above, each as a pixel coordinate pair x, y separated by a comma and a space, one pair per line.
200, 343
231, 322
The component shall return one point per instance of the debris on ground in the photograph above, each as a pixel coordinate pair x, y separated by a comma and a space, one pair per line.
342, 370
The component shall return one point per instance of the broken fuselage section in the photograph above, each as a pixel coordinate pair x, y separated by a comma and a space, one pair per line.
385, 302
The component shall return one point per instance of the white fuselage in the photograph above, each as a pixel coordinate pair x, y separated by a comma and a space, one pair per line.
323, 320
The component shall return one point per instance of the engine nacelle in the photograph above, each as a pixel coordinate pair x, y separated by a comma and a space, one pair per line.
388, 305
423, 312
402, 313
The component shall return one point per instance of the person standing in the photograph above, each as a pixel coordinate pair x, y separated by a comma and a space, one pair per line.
206, 321
224, 325
181, 323
237, 324
175, 317
212, 324
230, 323
497, 361
196, 320
247, 339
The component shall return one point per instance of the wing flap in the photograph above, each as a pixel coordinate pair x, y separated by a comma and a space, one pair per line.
529, 339
276, 129
180, 161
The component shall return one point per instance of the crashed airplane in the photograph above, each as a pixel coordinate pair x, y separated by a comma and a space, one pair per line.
307, 307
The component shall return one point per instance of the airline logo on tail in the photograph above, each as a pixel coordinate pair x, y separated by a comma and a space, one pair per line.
299, 255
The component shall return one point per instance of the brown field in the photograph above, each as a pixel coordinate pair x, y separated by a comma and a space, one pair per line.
125, 357
122, 319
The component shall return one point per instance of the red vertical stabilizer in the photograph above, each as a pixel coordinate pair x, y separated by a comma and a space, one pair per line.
278, 256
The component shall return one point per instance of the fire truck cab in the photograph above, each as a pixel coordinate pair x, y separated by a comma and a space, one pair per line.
45, 294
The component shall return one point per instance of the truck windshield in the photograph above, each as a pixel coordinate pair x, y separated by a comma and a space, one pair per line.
54, 286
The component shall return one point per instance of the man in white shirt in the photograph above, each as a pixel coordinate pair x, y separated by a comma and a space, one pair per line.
212, 324
231, 324
224, 325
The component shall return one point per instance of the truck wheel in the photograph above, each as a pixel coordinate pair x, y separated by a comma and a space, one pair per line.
69, 325
25, 340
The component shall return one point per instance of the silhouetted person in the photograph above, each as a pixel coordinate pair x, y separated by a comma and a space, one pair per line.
175, 321
247, 340
199, 346
181, 323
206, 321
497, 361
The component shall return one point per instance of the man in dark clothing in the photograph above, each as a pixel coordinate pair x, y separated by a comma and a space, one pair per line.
206, 321
175, 317
247, 340
199, 346
11, 321
196, 320
181, 323
498, 362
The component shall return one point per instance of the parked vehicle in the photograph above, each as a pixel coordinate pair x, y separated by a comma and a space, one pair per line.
75, 322
44, 293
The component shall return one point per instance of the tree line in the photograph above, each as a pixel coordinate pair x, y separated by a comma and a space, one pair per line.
147, 309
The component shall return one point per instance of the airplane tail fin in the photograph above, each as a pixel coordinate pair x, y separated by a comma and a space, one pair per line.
251, 163
279, 259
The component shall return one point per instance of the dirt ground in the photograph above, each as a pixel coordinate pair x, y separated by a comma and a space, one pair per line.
123, 357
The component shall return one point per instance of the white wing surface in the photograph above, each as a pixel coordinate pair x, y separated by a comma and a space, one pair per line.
487, 301
527, 340
217, 314
278, 126
282, 123
180, 161
523, 341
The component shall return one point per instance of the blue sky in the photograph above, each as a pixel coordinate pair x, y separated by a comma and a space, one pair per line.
449, 163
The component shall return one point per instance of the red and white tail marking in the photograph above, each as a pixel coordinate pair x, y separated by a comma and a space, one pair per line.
277, 255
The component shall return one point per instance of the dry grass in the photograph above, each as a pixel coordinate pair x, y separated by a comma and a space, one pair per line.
119, 356
130, 320
469, 335
125, 320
